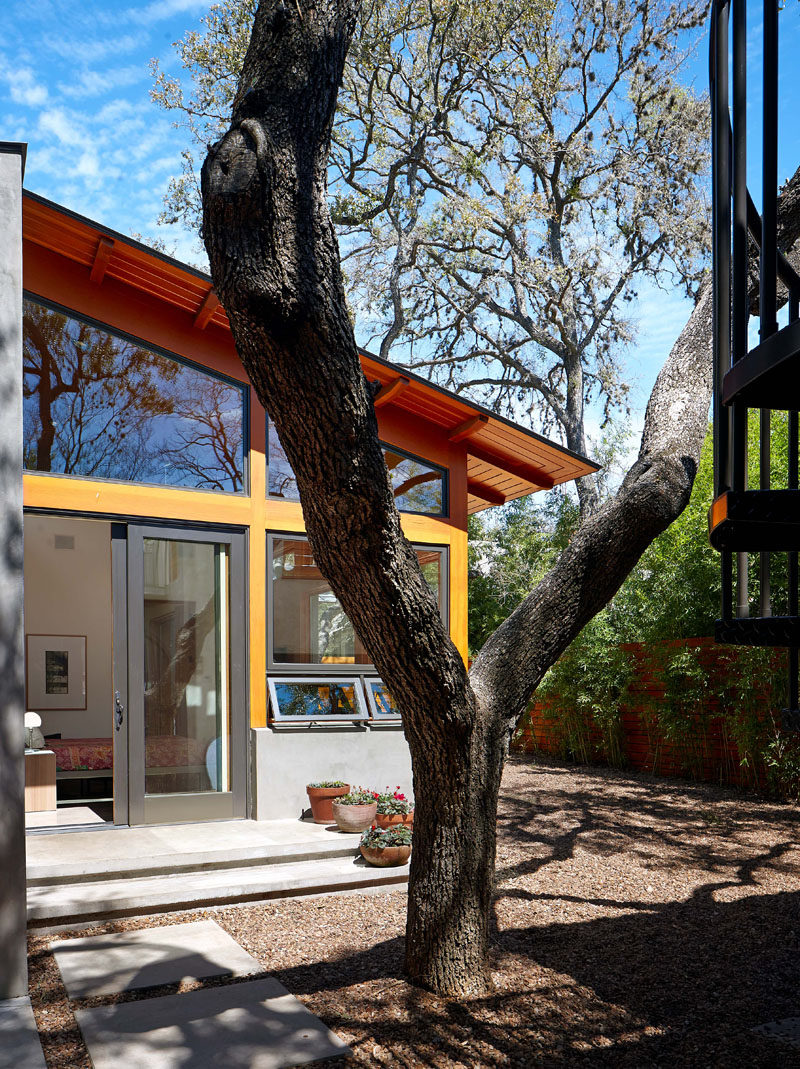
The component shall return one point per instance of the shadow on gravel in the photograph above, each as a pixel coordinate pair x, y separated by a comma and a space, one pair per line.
618, 991
673, 984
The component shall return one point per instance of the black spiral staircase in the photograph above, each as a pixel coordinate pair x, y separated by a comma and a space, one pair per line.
753, 526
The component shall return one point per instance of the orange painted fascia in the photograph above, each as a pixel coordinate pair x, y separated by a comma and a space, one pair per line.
159, 300
55, 279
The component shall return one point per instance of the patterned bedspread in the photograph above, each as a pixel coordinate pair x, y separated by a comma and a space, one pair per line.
96, 755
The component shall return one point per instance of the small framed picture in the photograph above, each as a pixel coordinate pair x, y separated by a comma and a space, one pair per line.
56, 671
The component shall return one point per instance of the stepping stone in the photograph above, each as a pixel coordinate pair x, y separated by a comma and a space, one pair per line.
19, 1038
252, 1025
787, 1030
149, 957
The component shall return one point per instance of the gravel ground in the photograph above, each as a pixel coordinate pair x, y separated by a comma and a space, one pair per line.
637, 922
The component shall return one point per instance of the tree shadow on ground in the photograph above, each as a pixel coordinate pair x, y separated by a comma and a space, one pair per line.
588, 971
616, 991
652, 982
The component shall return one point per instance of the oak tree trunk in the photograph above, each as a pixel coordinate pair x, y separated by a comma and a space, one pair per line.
275, 266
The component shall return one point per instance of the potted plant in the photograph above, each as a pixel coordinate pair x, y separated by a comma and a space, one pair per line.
386, 846
355, 811
394, 808
321, 796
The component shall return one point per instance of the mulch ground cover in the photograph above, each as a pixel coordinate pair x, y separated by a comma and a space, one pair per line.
637, 922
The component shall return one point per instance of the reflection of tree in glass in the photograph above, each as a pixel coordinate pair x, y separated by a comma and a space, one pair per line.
430, 563
312, 700
416, 487
282, 482
205, 447
383, 700
164, 695
87, 395
335, 634
98, 405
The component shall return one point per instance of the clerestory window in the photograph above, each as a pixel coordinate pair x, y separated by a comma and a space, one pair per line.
418, 486
103, 405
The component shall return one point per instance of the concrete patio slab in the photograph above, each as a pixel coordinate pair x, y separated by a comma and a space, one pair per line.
252, 1025
60, 903
127, 961
19, 1038
109, 851
71, 817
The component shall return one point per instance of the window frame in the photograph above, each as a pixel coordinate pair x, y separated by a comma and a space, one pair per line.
276, 717
158, 350
287, 667
374, 710
444, 474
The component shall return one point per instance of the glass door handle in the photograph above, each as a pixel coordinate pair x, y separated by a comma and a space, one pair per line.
119, 709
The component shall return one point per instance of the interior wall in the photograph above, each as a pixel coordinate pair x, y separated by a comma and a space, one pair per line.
68, 592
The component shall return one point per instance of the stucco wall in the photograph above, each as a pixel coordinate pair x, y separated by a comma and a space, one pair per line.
283, 761
13, 969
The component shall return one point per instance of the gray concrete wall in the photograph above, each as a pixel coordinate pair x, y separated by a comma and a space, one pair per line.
13, 969
285, 760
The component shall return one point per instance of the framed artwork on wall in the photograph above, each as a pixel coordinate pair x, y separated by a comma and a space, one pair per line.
56, 671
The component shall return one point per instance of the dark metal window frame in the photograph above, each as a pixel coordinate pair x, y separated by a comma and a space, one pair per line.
285, 668
351, 680
443, 472
374, 709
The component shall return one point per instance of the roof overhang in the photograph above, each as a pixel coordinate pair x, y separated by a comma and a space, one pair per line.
504, 461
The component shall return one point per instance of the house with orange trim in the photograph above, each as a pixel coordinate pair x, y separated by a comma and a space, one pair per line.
185, 656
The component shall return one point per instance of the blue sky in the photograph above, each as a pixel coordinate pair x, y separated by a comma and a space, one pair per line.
74, 84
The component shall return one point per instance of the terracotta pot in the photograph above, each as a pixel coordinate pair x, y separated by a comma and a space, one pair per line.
394, 820
353, 818
389, 855
321, 799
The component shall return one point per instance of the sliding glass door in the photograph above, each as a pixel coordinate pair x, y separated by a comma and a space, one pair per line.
187, 729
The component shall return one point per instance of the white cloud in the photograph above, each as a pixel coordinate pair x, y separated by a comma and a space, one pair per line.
96, 83
90, 48
160, 10
87, 166
24, 89
56, 122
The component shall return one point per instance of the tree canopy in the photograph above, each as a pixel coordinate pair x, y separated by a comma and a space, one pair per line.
503, 177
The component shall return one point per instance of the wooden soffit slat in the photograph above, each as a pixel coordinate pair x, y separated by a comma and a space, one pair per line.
529, 472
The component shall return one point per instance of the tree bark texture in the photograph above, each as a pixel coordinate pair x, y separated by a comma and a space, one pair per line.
275, 266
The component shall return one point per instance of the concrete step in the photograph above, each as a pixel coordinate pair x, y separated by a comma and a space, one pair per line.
82, 870
52, 903
109, 853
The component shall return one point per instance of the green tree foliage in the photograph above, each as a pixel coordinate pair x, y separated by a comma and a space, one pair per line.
672, 593
674, 590
508, 555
